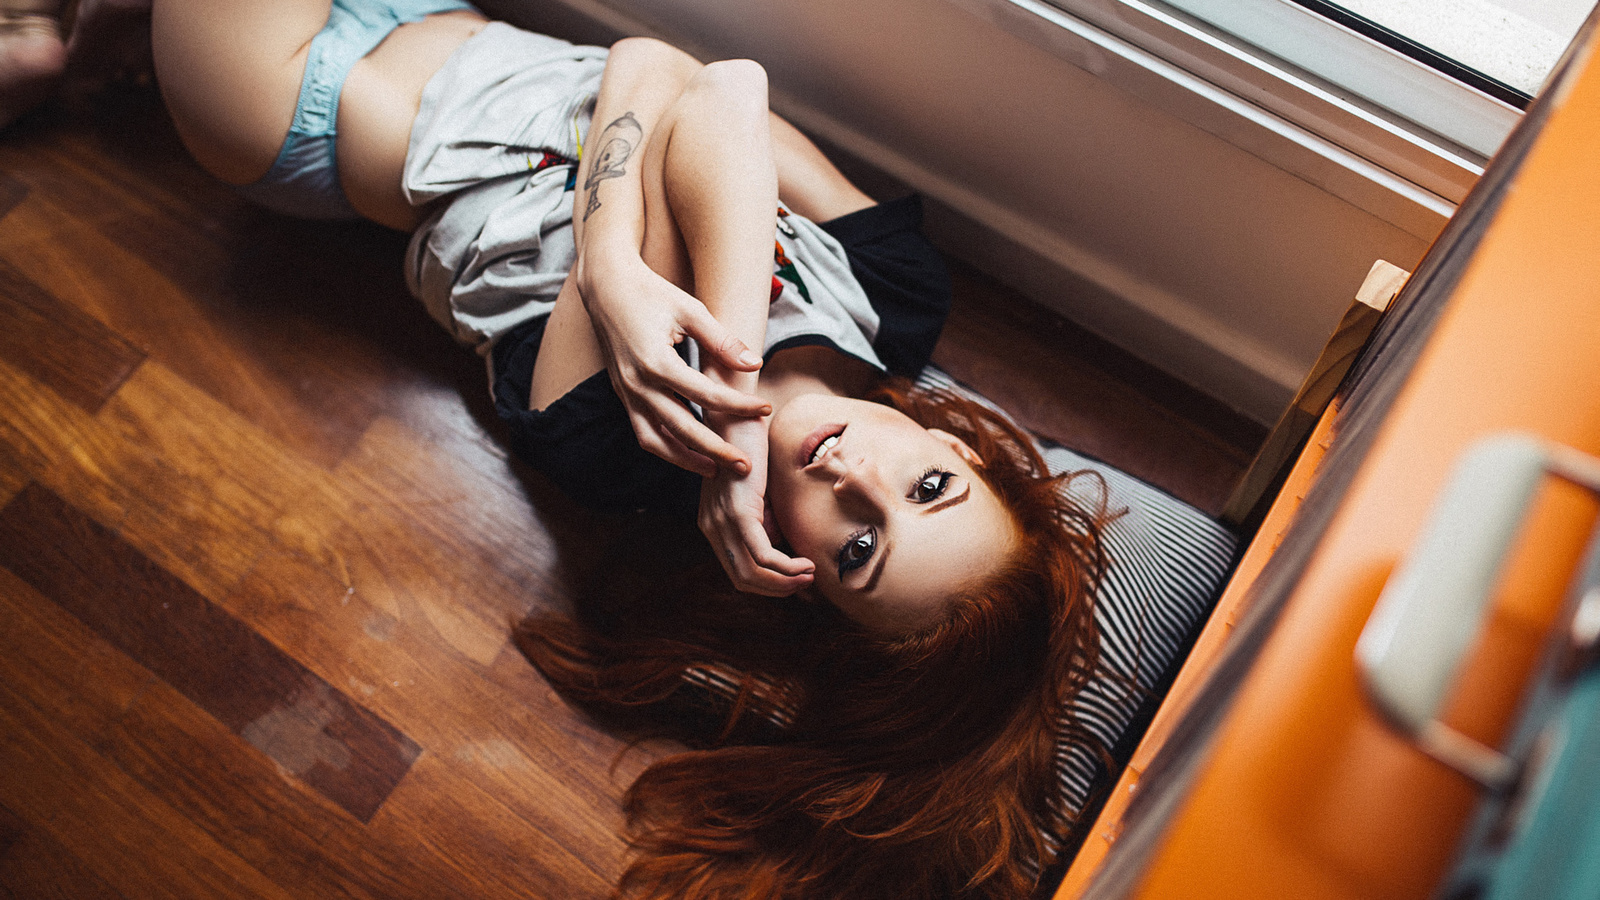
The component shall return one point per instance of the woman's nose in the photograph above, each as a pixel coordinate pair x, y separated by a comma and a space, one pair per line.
860, 478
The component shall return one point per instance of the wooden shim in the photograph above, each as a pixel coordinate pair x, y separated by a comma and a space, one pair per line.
1382, 284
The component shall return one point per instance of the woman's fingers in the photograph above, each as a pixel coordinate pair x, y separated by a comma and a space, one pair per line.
697, 387
760, 548
770, 572
675, 419
756, 580
714, 339
665, 427
716, 345
663, 443
744, 551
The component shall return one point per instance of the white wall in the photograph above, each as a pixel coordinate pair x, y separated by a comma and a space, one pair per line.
1220, 268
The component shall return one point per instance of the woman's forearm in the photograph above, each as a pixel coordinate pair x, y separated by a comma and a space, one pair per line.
642, 80
684, 153
678, 184
715, 242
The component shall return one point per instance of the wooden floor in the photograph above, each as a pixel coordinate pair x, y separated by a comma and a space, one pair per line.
259, 546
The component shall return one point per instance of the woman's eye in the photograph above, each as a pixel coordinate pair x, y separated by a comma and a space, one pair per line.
857, 550
931, 486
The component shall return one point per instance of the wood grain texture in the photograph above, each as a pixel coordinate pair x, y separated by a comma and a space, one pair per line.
61, 666
12, 829
34, 865
12, 192
257, 310
181, 476
39, 428
242, 800
101, 815
524, 746
65, 350
310, 729
1255, 490
189, 760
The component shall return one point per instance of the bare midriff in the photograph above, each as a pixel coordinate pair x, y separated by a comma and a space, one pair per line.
379, 103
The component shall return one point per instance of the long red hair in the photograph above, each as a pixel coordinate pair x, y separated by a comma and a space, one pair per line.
830, 763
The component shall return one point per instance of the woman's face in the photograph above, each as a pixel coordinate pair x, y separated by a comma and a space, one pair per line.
891, 513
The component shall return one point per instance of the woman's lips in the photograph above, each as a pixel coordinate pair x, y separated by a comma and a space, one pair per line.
814, 440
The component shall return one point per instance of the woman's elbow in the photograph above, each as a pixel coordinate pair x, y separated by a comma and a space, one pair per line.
651, 55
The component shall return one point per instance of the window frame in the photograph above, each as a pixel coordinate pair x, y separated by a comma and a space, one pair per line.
1419, 51
1324, 46
1405, 171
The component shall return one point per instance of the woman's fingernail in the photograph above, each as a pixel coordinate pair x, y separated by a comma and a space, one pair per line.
750, 358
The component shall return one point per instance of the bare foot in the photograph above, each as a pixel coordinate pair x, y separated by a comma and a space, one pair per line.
32, 55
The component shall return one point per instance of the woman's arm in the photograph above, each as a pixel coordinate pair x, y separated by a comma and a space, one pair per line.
634, 275
675, 212
719, 180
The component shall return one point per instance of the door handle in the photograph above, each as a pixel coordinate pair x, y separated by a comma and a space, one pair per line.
1434, 604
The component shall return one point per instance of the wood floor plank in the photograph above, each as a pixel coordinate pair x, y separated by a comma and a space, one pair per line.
523, 746
289, 833
181, 476
14, 474
12, 829
38, 428
308, 727
485, 843
62, 667
60, 346
12, 192
125, 138
263, 333
34, 866
190, 761
127, 837
303, 299
432, 529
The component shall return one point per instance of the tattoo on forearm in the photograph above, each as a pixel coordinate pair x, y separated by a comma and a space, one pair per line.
617, 143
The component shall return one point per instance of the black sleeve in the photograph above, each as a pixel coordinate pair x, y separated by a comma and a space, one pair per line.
583, 442
904, 277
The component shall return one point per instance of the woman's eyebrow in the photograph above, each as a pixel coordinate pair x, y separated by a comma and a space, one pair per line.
877, 571
949, 501
872, 580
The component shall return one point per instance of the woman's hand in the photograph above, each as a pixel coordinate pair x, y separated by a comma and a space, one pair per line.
733, 519
639, 317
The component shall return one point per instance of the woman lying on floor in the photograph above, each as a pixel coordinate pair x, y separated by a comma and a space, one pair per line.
889, 729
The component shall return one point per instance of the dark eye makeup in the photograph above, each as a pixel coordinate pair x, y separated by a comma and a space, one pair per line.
858, 548
931, 485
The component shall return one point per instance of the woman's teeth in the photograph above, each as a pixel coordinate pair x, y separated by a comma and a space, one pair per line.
824, 447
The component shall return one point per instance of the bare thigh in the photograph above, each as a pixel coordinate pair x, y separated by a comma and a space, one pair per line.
230, 73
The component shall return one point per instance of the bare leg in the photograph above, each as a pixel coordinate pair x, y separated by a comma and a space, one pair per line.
230, 73
807, 182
